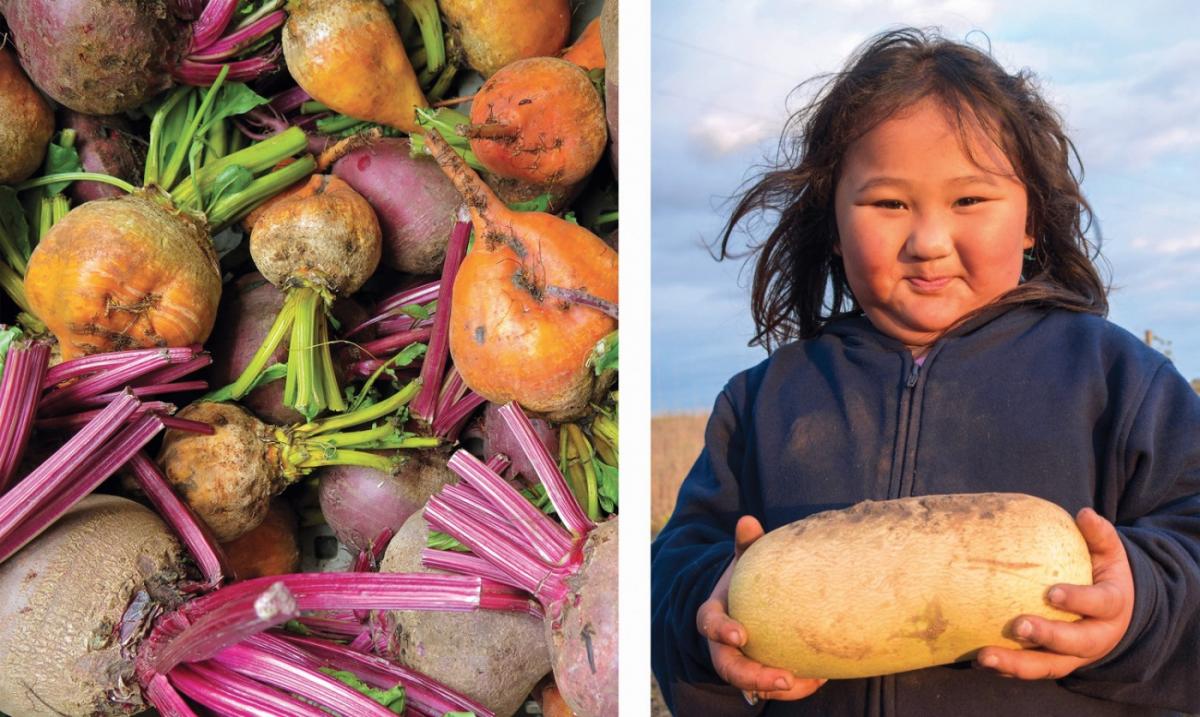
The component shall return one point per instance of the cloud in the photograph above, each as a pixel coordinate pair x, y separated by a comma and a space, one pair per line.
1169, 246
721, 133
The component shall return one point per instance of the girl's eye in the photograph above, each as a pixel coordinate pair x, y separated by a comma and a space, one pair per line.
889, 204
968, 201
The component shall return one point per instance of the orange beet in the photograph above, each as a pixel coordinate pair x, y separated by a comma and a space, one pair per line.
273, 548
348, 55
494, 33
125, 273
588, 51
511, 337
539, 121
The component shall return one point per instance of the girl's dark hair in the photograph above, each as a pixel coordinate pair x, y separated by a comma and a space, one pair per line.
800, 283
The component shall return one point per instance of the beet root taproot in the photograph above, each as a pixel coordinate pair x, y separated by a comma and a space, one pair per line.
125, 273
66, 597
99, 57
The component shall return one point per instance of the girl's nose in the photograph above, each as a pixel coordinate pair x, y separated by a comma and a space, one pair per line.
930, 238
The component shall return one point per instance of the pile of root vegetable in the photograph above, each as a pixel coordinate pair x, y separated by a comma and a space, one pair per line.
308, 357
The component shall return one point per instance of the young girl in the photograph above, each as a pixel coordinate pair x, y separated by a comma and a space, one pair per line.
946, 330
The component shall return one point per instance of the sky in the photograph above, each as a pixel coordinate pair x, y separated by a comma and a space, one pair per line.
1123, 79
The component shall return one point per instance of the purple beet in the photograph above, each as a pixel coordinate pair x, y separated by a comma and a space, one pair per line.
360, 503
497, 438
105, 145
414, 201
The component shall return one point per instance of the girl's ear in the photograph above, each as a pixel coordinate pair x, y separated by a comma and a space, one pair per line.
1028, 243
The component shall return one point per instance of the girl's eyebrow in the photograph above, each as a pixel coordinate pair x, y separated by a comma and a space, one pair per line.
886, 181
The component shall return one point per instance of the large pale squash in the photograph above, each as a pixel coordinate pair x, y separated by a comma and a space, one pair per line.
890, 586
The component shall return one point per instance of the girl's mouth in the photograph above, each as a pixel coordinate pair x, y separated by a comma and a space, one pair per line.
928, 285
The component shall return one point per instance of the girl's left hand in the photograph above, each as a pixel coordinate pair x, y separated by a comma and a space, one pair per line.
1106, 607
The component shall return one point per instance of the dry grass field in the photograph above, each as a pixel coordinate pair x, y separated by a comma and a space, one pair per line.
675, 441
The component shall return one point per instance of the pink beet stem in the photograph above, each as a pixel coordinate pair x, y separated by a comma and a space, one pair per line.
212, 22
304, 682
101, 362
223, 626
551, 542
24, 368
58, 400
100, 465
451, 422
464, 564
390, 344
424, 692
193, 532
183, 424
422, 294
176, 371
289, 100
166, 700
332, 627
425, 403
78, 420
403, 322
47, 479
522, 567
202, 74
233, 43
228, 693
547, 471
144, 391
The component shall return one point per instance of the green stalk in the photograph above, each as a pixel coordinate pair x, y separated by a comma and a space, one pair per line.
426, 14
337, 123
312, 107
184, 143
385, 464
150, 178
232, 208
584, 451
14, 286
375, 411
333, 393
305, 396
442, 86
279, 329
75, 177
218, 141
256, 158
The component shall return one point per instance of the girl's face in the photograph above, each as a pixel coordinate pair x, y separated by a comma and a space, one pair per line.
927, 234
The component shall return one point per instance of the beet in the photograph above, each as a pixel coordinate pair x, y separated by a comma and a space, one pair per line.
65, 595
106, 145
98, 56
416, 204
245, 317
583, 636
494, 657
26, 122
498, 438
360, 503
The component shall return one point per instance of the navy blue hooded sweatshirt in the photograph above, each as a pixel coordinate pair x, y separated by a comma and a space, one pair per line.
1064, 406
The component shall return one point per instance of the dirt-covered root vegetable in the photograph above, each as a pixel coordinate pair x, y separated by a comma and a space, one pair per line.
273, 548
494, 33
507, 652
360, 503
98, 56
348, 55
414, 201
67, 597
538, 121
228, 477
316, 244
890, 586
608, 36
583, 639
125, 273
26, 122
106, 145
524, 315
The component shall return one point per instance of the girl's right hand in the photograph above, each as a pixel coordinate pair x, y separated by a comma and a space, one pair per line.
726, 637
